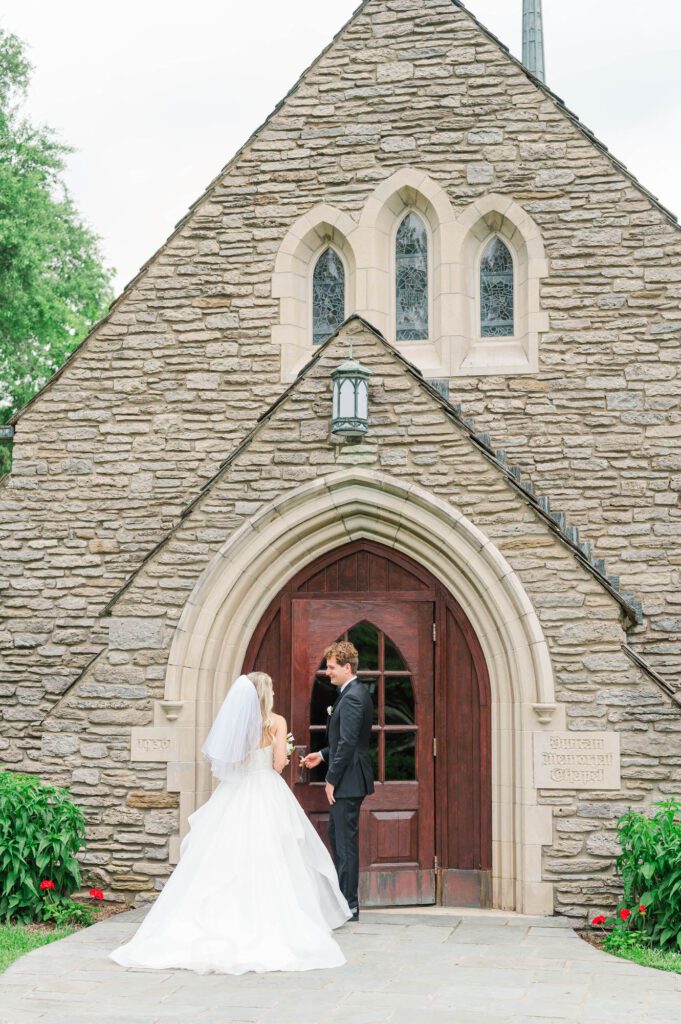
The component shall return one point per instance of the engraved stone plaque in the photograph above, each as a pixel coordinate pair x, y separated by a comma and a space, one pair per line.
153, 743
577, 760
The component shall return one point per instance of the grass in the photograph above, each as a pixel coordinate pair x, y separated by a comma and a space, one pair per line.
17, 939
661, 959
627, 946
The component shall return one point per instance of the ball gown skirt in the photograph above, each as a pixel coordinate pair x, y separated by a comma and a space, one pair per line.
254, 890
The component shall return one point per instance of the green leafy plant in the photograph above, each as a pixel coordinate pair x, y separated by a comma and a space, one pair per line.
41, 832
69, 912
650, 865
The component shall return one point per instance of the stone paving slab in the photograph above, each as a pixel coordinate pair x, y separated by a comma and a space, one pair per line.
435, 967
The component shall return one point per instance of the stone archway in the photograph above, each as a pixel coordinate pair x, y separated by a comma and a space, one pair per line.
235, 589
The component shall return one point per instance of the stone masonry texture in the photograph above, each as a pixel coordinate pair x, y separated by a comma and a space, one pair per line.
168, 385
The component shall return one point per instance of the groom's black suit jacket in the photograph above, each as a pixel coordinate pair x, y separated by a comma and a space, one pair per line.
348, 734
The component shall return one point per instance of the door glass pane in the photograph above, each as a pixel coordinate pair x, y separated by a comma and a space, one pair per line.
365, 638
323, 694
317, 741
373, 754
400, 756
371, 683
399, 701
394, 662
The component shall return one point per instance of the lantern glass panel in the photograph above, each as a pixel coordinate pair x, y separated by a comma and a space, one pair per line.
347, 399
362, 400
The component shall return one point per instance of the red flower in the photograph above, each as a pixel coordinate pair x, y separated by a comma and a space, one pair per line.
642, 909
625, 914
600, 919
97, 894
46, 884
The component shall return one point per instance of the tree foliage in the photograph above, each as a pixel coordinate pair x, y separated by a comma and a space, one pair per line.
53, 285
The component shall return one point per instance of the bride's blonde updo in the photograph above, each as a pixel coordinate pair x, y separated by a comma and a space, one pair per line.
263, 688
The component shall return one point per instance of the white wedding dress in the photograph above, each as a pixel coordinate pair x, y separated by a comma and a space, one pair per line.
254, 890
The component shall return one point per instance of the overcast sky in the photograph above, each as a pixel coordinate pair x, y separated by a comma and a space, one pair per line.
157, 95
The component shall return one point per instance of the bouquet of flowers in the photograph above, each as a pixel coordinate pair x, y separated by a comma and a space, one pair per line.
290, 744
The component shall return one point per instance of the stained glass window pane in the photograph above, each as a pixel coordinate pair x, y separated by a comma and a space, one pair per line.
411, 260
496, 291
328, 296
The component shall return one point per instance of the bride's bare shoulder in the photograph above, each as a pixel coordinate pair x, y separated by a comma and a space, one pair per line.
279, 721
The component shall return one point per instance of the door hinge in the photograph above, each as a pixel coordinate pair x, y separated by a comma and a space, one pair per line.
434, 632
434, 747
435, 862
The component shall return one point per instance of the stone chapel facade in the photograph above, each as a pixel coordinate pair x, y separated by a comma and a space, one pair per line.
504, 539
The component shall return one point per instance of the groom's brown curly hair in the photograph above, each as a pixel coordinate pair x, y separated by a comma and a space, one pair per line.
344, 652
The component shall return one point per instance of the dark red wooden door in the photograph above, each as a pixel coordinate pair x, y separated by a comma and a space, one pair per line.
397, 827
425, 835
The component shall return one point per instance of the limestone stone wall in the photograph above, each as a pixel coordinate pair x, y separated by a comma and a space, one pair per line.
109, 454
85, 741
170, 382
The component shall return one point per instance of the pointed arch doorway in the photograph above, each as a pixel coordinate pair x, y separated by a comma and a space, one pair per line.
425, 834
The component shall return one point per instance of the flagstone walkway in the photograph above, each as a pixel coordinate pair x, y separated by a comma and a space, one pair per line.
431, 967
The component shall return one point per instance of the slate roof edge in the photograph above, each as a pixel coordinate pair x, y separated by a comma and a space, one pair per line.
649, 671
557, 523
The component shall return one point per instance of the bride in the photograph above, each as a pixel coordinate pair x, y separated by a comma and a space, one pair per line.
255, 888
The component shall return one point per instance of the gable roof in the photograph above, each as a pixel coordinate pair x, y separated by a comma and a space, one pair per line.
572, 117
556, 521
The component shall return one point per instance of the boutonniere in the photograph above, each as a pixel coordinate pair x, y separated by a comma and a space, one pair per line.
329, 710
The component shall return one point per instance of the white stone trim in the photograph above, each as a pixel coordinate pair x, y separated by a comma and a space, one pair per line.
237, 586
474, 355
455, 243
292, 280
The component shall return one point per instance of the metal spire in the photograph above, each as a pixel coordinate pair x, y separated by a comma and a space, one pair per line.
533, 38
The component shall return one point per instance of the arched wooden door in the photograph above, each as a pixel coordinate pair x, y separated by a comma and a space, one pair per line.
425, 834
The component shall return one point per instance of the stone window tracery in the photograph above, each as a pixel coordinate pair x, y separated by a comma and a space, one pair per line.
496, 291
328, 296
411, 279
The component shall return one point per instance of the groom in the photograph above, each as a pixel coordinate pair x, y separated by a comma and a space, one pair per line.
349, 777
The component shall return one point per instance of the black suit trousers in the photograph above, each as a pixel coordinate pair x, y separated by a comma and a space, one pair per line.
344, 838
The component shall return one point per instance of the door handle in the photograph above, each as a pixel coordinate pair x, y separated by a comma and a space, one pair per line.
302, 775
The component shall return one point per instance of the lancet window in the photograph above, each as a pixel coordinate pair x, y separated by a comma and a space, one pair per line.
496, 291
328, 296
411, 279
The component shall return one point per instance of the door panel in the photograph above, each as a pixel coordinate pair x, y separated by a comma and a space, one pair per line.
366, 589
397, 822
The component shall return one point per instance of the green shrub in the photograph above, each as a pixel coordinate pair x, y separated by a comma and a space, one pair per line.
68, 912
41, 831
650, 865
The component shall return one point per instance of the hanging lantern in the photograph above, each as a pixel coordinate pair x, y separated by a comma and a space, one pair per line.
350, 400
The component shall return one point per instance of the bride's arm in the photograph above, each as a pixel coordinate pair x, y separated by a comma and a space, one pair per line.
279, 753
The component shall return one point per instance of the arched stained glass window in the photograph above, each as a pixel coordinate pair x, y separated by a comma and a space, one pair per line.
411, 262
328, 296
496, 291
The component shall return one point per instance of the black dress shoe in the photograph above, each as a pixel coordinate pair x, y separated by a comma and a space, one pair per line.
355, 916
